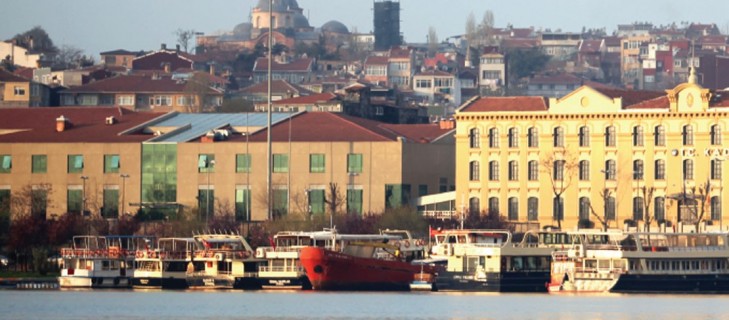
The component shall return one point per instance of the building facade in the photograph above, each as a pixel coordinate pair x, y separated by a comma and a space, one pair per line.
631, 157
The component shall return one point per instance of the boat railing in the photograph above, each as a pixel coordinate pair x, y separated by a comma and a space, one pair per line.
280, 269
590, 270
97, 253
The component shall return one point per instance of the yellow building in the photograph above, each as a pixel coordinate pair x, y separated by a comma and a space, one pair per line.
627, 155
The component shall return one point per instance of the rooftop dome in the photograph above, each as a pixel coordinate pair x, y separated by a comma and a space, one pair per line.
300, 21
334, 26
278, 5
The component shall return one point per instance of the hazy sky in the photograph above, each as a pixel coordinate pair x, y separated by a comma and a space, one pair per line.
101, 25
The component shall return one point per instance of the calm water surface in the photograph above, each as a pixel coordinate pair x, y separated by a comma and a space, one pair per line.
102, 304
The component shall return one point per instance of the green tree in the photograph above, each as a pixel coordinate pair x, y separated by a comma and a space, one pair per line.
524, 63
40, 39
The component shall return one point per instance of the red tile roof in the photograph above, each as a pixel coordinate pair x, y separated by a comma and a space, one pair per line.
326, 126
590, 46
157, 60
630, 97
300, 65
400, 53
134, 83
6, 76
376, 60
517, 104
315, 98
38, 125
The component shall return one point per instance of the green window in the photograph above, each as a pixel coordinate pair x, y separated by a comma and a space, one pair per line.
354, 163
111, 203
243, 205
111, 163
316, 163
397, 195
354, 201
39, 202
280, 163
74, 201
280, 202
316, 201
39, 163
206, 163
243, 163
6, 163
206, 203
422, 190
75, 163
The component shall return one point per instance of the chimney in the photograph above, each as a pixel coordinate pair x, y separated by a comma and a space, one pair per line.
209, 137
163, 47
63, 123
31, 43
212, 69
447, 124
110, 120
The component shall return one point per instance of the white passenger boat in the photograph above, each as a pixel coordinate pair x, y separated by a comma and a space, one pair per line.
489, 260
167, 265
99, 261
226, 262
592, 263
652, 263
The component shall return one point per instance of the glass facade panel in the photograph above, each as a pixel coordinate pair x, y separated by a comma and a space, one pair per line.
280, 202
6, 163
316, 201
206, 203
74, 201
280, 163
354, 163
75, 163
159, 173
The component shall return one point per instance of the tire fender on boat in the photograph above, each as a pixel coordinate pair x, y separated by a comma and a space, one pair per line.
406, 243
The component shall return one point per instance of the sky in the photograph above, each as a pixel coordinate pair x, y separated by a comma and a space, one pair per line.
102, 25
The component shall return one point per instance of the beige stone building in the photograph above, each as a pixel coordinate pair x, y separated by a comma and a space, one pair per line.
631, 157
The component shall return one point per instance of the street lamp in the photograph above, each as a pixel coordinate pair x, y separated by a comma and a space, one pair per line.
124, 177
210, 166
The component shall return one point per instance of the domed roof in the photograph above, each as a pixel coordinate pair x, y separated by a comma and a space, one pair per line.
335, 27
300, 21
243, 30
278, 5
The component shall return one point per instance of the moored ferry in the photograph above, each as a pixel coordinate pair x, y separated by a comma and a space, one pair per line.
675, 263
489, 260
592, 263
167, 265
99, 261
364, 262
226, 261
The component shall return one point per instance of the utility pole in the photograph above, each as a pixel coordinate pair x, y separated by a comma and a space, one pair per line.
124, 177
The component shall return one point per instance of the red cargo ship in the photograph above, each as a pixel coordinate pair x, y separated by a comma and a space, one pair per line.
360, 266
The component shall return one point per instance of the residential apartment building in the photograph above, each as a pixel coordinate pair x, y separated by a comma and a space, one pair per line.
611, 153
294, 72
438, 86
158, 92
16, 91
492, 69
327, 101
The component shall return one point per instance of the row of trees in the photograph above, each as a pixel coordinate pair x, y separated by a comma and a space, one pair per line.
562, 168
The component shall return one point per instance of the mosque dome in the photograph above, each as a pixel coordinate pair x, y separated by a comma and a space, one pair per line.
243, 30
334, 26
300, 21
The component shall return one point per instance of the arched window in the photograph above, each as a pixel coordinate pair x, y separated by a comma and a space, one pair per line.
688, 135
533, 170
533, 137
473, 205
494, 170
558, 208
494, 138
559, 137
584, 208
659, 208
716, 208
584, 136
610, 208
584, 170
688, 169
533, 209
558, 170
513, 208
610, 170
610, 136
474, 138
716, 169
638, 136
513, 138
659, 136
716, 135
513, 170
493, 205
660, 169
638, 169
638, 208
474, 173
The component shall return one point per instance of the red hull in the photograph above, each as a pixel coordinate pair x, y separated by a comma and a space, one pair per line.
330, 270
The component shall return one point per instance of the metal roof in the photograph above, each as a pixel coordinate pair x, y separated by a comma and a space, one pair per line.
194, 125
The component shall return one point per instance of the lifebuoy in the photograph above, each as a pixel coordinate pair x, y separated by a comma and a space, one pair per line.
397, 243
406, 243
139, 254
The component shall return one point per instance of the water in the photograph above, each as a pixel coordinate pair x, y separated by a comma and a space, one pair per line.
118, 304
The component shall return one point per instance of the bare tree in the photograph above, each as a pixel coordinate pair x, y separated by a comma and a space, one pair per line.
559, 166
70, 57
471, 29
604, 220
335, 200
486, 27
432, 41
702, 193
647, 194
184, 37
197, 90
29, 199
